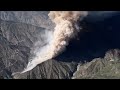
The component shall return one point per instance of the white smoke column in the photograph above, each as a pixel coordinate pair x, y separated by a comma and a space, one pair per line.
66, 28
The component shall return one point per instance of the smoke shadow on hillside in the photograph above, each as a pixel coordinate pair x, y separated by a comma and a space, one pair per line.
95, 39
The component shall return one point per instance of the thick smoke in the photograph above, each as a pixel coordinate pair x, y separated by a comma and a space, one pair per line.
66, 28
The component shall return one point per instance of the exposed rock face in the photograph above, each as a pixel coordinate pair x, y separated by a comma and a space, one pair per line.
51, 69
98, 44
100, 68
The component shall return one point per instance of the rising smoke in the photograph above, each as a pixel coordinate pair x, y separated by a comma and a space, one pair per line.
66, 28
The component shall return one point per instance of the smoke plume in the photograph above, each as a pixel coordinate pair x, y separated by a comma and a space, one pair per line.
66, 28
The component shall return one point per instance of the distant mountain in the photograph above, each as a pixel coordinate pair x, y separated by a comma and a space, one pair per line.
36, 18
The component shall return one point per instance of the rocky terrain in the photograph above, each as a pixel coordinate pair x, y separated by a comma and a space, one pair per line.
100, 68
95, 53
